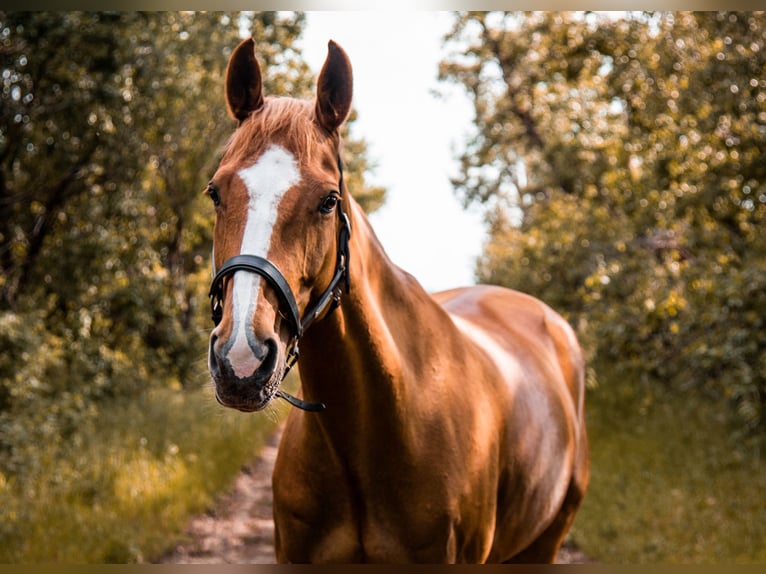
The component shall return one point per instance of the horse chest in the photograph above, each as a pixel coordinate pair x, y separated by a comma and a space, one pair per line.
388, 513
378, 534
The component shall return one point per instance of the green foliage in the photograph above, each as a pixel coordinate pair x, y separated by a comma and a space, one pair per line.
621, 163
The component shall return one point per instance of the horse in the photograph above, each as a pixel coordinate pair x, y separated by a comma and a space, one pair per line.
431, 428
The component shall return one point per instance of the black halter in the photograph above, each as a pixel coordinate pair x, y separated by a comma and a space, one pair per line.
287, 305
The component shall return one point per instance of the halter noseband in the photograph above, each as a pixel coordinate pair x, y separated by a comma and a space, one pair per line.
287, 305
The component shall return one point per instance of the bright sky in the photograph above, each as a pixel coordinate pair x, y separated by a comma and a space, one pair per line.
412, 136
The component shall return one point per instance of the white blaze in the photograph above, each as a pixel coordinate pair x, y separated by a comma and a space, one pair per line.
267, 181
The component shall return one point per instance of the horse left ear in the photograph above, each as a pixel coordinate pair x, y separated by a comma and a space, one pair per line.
244, 88
334, 89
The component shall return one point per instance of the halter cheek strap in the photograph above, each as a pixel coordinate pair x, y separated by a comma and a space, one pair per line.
287, 305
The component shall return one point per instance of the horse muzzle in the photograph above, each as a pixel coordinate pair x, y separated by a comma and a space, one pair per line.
245, 379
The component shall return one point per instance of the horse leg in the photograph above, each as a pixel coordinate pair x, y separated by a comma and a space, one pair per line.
543, 550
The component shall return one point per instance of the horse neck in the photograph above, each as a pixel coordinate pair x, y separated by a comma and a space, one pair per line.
360, 358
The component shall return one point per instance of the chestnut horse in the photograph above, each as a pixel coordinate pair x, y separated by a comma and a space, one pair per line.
454, 428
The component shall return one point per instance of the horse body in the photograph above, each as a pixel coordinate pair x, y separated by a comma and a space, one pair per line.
459, 427
454, 429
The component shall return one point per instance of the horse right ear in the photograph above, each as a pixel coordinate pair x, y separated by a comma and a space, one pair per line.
335, 87
244, 88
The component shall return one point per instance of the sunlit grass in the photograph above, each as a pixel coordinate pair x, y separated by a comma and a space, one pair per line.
670, 483
123, 491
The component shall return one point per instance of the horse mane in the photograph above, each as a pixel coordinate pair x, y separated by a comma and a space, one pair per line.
280, 119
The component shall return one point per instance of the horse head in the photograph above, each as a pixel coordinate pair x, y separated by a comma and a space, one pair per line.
281, 235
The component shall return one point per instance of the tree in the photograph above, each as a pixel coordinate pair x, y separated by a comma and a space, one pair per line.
620, 160
109, 128
61, 110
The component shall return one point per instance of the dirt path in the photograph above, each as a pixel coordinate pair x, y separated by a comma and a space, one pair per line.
240, 528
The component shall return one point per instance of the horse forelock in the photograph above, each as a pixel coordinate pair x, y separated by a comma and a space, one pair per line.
286, 121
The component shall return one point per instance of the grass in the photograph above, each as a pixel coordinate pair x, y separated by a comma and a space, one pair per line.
123, 492
669, 481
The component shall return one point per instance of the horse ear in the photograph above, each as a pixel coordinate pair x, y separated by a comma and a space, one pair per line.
334, 88
244, 88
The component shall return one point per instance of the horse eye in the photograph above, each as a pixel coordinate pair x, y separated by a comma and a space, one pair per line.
329, 203
214, 193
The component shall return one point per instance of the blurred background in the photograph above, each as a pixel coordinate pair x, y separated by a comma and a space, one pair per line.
614, 164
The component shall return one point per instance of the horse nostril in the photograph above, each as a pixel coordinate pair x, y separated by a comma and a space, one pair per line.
268, 363
213, 359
